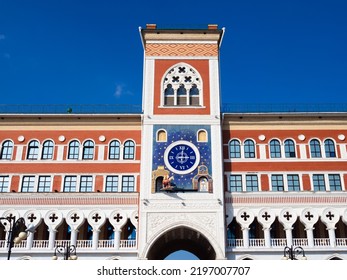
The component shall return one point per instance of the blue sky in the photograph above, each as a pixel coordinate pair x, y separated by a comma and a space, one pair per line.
90, 52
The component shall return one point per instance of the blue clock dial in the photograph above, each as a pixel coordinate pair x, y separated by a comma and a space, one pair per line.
181, 157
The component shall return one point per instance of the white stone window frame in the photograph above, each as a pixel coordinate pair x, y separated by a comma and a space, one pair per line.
244, 181
242, 150
326, 181
173, 71
36, 182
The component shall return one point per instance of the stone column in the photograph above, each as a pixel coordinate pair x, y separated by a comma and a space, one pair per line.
289, 236
310, 239
51, 239
245, 235
267, 237
117, 233
30, 239
95, 238
73, 239
332, 236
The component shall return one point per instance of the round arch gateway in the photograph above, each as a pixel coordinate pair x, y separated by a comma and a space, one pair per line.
181, 238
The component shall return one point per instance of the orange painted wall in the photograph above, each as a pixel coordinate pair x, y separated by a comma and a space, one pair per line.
306, 182
14, 184
57, 180
265, 185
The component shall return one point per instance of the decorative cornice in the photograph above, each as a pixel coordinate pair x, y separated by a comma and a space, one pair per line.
69, 199
185, 49
288, 199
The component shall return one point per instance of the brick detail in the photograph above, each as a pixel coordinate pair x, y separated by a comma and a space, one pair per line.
181, 50
68, 200
304, 200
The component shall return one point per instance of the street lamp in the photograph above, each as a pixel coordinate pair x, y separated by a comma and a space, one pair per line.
65, 251
292, 253
17, 232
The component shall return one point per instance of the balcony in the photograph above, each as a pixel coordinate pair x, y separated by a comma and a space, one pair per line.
319, 243
103, 245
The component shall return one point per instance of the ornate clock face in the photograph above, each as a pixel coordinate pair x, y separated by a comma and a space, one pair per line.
181, 157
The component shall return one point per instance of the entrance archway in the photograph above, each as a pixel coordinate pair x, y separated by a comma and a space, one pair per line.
181, 238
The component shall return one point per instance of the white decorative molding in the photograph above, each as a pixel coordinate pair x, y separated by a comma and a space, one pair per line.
287, 217
102, 138
245, 217
157, 222
261, 137
53, 218
330, 217
61, 138
96, 218
341, 137
118, 218
301, 137
266, 217
21, 138
32, 217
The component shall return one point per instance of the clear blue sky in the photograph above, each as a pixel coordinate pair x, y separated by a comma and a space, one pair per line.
90, 52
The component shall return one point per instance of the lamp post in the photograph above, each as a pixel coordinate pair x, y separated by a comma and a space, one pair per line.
16, 234
67, 251
292, 253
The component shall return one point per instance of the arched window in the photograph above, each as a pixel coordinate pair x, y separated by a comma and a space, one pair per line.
289, 149
47, 150
182, 96
33, 149
329, 148
129, 150
74, 148
202, 136
114, 150
315, 149
161, 136
275, 149
182, 86
234, 149
249, 149
6, 150
88, 150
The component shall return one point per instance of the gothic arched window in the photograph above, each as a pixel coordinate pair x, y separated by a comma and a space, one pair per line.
182, 86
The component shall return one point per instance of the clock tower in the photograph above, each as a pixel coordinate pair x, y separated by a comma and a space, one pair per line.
181, 189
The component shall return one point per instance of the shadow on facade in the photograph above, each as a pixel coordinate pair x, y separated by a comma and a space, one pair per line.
181, 238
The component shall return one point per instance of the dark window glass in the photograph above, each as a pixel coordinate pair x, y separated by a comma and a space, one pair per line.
129, 150
114, 150
47, 150
111, 184
74, 148
33, 150
315, 149
128, 184
6, 150
318, 182
289, 149
88, 150
235, 183
234, 149
249, 149
275, 149
277, 183
329, 147
252, 183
